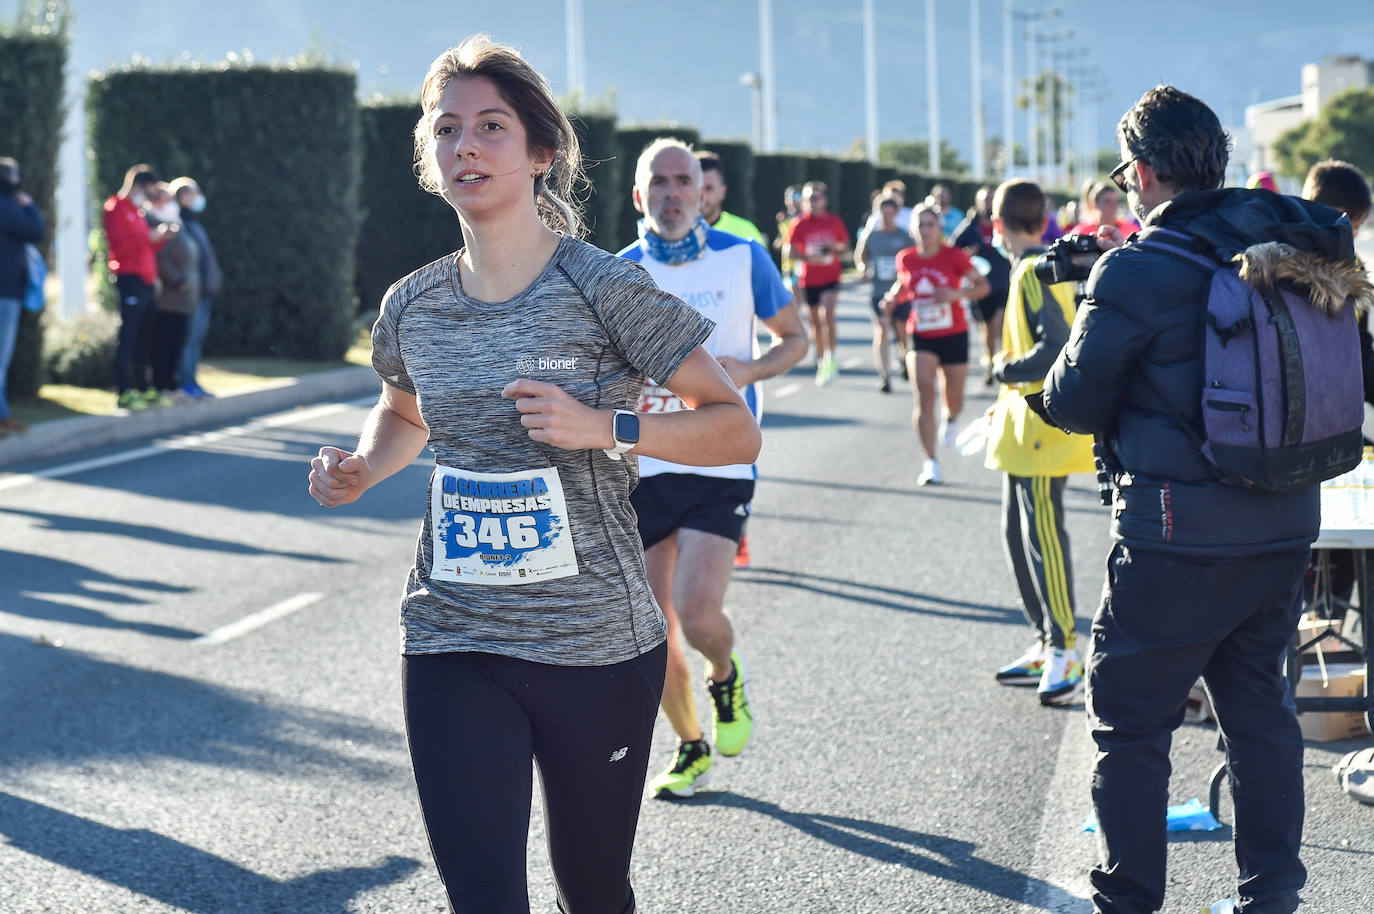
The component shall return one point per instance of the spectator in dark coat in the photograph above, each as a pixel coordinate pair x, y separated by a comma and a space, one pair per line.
178, 269
20, 224
192, 202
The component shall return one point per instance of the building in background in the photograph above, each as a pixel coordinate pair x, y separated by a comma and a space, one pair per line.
1265, 122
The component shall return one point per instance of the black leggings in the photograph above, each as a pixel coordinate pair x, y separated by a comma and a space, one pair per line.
474, 721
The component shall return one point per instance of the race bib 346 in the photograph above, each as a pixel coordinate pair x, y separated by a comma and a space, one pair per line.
500, 528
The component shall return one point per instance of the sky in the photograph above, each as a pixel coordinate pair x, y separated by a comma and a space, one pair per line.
682, 62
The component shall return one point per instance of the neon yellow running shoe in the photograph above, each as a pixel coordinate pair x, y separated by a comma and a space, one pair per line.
690, 771
734, 718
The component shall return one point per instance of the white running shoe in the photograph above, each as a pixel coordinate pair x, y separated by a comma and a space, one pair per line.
1224, 906
949, 430
1061, 681
930, 473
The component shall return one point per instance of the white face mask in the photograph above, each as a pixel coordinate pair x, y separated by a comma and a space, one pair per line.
166, 212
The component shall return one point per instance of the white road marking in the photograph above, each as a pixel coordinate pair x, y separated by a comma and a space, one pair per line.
786, 390
1063, 852
184, 442
259, 619
851, 363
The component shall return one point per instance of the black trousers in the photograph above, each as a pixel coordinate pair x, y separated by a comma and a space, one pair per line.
1165, 619
169, 339
135, 333
475, 721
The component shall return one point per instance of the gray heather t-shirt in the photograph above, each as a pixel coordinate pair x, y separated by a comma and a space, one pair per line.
539, 554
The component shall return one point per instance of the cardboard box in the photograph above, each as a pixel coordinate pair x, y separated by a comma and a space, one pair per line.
1343, 680
1332, 649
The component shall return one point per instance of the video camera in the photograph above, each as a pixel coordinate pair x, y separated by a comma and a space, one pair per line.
1068, 259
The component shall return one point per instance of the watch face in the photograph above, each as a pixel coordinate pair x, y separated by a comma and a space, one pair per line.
626, 427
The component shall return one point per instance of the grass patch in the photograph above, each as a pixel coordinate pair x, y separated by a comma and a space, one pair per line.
219, 376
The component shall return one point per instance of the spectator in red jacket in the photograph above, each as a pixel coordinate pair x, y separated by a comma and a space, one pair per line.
133, 261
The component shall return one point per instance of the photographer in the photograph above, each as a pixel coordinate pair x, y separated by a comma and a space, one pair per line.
1204, 577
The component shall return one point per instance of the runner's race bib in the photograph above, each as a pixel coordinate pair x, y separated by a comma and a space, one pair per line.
885, 269
500, 528
934, 316
821, 249
656, 399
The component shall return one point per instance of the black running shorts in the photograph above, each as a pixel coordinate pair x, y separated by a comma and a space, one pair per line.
951, 348
984, 309
670, 501
813, 293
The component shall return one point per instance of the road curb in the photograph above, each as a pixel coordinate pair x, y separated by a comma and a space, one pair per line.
64, 436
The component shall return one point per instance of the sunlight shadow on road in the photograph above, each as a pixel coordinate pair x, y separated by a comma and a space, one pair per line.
177, 874
877, 595
146, 533
47, 580
130, 712
934, 855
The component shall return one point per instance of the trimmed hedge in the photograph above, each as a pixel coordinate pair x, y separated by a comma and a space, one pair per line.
278, 153
737, 159
607, 174
632, 141
856, 189
773, 173
403, 227
31, 113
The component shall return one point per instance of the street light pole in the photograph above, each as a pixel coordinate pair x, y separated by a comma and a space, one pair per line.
576, 48
755, 84
932, 91
870, 83
1008, 94
1032, 64
976, 57
769, 75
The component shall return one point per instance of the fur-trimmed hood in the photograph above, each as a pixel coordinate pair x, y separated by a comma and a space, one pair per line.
1329, 283
1275, 238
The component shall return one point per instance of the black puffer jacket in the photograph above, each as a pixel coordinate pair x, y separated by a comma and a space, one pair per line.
1142, 319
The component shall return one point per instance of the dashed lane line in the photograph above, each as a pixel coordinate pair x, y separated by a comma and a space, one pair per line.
259, 619
182, 442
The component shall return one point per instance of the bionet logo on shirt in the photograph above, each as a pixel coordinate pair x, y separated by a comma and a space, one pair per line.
527, 364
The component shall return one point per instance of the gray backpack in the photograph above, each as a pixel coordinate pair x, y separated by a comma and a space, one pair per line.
1282, 396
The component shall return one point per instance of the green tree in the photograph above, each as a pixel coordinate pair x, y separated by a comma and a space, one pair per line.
1343, 130
916, 153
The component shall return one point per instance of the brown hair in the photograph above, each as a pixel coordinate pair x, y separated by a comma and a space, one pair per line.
138, 176
525, 90
1339, 185
1020, 204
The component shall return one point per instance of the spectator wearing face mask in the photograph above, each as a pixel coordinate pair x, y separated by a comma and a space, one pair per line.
178, 268
133, 261
191, 200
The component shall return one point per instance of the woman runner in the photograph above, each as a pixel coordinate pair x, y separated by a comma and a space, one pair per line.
528, 627
931, 276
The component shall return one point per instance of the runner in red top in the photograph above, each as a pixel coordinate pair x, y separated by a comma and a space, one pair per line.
934, 277
817, 242
1106, 211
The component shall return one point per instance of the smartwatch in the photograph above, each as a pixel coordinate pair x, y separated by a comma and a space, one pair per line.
625, 430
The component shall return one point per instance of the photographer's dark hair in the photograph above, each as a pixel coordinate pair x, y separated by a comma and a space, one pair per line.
1179, 137
710, 161
1020, 204
1339, 185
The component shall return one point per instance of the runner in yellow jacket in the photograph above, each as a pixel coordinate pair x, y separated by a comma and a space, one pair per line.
1035, 456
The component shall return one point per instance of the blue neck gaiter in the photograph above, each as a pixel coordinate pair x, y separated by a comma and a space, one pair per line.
685, 249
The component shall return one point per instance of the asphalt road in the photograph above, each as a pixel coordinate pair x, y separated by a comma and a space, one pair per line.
199, 708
